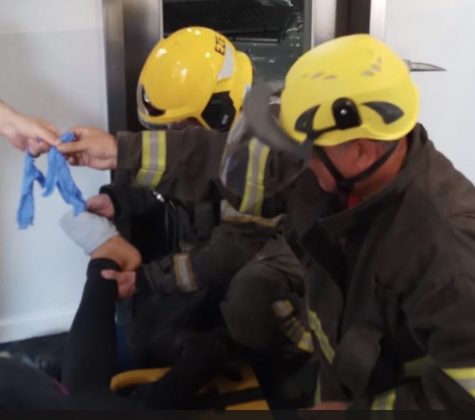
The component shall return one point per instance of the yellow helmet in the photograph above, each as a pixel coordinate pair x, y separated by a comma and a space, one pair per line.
349, 88
195, 73
345, 89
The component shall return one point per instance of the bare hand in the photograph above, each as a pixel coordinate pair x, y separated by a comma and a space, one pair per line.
125, 282
93, 148
101, 205
27, 133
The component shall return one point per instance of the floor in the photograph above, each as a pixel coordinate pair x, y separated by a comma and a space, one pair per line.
44, 353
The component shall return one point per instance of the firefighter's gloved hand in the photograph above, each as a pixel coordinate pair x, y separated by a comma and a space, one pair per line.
101, 205
125, 282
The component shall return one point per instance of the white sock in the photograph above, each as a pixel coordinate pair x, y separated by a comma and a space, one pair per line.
87, 230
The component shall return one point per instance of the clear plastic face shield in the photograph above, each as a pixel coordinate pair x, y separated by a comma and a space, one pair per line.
261, 109
253, 170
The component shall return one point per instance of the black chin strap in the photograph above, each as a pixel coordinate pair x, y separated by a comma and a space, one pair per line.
345, 185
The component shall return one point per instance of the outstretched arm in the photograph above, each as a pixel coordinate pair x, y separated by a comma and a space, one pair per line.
90, 357
183, 164
26, 133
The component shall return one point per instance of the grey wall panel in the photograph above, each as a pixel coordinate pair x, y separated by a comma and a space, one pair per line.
323, 20
143, 27
378, 18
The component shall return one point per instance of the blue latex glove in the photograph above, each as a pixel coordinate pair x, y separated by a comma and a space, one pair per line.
26, 210
58, 175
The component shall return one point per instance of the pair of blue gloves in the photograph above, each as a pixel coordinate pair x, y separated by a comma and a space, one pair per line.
58, 175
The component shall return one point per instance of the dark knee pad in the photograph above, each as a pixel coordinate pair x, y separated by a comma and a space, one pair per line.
247, 308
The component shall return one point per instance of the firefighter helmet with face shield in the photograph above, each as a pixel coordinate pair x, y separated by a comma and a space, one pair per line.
195, 75
353, 87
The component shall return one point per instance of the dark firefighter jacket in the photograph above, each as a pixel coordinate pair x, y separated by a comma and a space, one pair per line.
184, 165
390, 283
391, 289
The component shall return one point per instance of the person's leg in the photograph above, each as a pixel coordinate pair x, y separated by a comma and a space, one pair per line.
90, 356
91, 348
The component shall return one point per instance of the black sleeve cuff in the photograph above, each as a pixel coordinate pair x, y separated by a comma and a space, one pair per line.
109, 190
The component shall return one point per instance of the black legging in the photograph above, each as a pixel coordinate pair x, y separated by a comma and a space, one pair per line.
91, 361
90, 357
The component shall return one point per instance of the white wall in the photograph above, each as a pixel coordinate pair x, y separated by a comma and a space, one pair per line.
441, 32
51, 65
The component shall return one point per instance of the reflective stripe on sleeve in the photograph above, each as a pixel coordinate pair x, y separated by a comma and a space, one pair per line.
154, 159
323, 341
253, 197
291, 326
229, 214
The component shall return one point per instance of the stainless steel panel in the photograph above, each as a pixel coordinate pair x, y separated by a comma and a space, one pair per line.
377, 25
132, 27
143, 27
323, 20
273, 57
115, 64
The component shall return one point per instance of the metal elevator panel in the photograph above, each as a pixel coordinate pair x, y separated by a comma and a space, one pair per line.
232, 18
271, 32
272, 60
